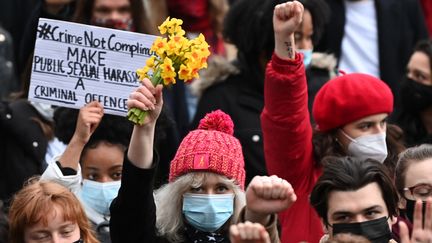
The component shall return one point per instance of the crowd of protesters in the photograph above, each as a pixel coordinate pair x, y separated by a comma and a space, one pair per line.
312, 123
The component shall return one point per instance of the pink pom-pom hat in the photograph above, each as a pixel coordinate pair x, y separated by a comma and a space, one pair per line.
211, 148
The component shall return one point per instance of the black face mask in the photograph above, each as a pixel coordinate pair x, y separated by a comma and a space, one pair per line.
79, 241
415, 96
409, 211
376, 230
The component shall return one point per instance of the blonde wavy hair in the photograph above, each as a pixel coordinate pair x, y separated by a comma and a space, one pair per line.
33, 203
169, 202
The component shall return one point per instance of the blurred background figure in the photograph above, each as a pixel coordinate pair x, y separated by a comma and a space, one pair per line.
202, 16
8, 82
27, 136
199, 16
415, 114
127, 15
4, 224
51, 9
374, 36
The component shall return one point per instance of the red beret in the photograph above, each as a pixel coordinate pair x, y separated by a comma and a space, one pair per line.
348, 98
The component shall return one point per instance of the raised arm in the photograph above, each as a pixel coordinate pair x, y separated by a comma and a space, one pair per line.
285, 118
88, 120
133, 212
287, 17
148, 98
265, 197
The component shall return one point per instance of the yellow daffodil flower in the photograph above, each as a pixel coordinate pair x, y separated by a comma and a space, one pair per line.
176, 56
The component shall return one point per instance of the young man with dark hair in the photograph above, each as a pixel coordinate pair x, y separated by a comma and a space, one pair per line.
356, 196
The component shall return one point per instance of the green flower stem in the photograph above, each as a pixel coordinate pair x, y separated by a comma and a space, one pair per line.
137, 115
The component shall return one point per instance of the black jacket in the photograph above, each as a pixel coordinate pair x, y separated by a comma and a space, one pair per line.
22, 146
134, 220
400, 25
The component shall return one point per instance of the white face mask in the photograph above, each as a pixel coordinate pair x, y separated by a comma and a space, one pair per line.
372, 146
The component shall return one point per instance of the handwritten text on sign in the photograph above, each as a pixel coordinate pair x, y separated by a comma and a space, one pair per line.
75, 64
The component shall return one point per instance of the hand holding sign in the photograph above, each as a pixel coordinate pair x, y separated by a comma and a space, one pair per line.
176, 55
89, 118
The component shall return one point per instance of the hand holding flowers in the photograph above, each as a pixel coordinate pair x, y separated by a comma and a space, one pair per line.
176, 57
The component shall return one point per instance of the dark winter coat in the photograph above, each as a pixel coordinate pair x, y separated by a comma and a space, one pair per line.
22, 146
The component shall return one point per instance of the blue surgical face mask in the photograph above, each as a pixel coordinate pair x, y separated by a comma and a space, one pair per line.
307, 56
99, 195
207, 212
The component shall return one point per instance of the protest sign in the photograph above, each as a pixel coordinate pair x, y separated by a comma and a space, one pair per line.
75, 64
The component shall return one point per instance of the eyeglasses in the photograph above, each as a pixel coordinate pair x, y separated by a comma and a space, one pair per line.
419, 191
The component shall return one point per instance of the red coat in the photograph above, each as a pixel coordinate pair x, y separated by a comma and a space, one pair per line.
288, 148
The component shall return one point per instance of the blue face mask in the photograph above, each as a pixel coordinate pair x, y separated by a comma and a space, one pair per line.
307, 56
207, 212
99, 195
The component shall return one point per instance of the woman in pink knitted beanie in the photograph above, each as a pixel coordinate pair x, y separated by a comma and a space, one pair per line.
205, 193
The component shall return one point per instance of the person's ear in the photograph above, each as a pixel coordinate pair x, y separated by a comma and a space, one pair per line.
324, 226
341, 138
